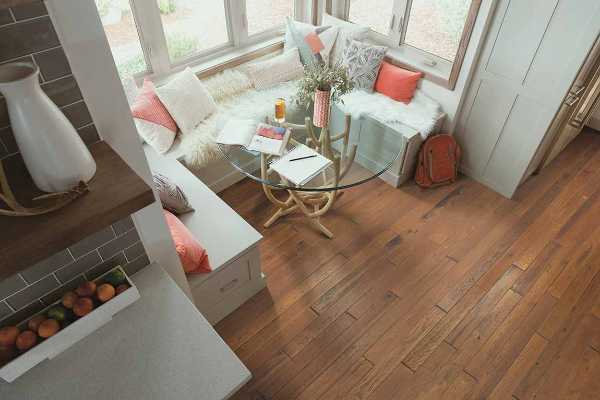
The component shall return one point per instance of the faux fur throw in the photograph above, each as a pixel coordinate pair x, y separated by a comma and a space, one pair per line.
235, 98
421, 113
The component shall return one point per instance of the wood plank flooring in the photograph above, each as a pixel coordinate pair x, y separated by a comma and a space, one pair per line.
450, 293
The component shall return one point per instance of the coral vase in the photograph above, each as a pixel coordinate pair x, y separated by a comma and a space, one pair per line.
55, 156
321, 108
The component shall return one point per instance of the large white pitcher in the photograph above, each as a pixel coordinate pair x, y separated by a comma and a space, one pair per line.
55, 155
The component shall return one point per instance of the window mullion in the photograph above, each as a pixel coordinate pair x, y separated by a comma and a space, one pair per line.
405, 17
340, 8
303, 10
237, 23
153, 36
399, 20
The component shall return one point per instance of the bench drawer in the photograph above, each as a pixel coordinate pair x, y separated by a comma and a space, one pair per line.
224, 281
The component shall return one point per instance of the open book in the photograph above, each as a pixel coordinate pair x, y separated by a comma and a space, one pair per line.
255, 136
300, 165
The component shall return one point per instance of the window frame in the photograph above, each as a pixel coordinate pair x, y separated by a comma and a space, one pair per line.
435, 68
148, 21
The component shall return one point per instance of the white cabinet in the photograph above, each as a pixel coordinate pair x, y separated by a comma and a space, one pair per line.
531, 55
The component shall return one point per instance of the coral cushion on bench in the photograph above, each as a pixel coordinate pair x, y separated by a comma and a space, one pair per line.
192, 255
397, 83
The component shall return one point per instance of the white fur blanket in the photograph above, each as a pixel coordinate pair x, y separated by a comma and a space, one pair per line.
234, 100
231, 91
421, 113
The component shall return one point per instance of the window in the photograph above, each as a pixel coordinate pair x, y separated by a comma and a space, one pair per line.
266, 15
122, 34
436, 26
428, 33
156, 36
372, 13
193, 26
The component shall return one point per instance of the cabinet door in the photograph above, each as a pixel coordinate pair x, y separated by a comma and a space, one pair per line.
519, 84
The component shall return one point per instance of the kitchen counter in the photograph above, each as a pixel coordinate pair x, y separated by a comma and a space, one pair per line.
160, 347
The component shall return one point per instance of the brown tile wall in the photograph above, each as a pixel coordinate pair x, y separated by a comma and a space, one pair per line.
40, 285
27, 35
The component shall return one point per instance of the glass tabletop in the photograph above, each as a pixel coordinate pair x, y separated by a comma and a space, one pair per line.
360, 149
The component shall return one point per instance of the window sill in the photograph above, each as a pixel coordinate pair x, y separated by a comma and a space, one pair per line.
434, 69
406, 57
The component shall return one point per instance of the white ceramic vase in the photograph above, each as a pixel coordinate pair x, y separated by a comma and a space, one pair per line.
55, 155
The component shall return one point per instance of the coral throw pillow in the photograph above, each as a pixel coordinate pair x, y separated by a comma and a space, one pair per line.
314, 42
193, 257
397, 83
148, 107
152, 120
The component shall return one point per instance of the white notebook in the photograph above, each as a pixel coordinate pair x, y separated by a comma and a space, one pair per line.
300, 171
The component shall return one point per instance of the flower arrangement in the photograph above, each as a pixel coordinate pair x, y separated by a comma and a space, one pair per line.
324, 78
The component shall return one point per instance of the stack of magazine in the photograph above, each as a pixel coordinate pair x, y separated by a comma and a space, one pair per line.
255, 136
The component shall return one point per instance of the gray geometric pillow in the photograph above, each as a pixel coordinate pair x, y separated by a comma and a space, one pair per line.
171, 196
363, 62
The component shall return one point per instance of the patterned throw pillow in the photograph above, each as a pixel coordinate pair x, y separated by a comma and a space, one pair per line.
171, 196
152, 120
363, 62
296, 35
347, 30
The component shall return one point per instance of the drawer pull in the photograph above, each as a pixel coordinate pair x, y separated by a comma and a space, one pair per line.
229, 286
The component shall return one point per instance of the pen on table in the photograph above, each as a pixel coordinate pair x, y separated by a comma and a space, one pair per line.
303, 158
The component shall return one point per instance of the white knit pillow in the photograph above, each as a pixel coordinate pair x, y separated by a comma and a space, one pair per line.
279, 69
187, 100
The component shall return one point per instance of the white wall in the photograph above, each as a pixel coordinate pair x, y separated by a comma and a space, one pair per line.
451, 100
81, 33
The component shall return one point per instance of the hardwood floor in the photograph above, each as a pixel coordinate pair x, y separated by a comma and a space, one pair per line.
450, 293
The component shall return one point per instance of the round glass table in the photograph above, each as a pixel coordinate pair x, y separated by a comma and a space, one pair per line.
357, 156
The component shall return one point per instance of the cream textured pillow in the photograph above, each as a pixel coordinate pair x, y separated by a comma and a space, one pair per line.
187, 100
279, 69
347, 31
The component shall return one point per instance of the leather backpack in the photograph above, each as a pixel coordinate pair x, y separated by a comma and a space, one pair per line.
438, 161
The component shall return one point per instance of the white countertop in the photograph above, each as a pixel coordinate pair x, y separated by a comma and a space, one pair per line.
160, 347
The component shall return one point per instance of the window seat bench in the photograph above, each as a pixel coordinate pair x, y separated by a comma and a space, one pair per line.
231, 243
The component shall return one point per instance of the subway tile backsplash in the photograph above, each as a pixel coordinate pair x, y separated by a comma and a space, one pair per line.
28, 36
45, 282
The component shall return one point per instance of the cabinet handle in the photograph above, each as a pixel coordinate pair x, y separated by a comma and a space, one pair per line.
229, 286
392, 21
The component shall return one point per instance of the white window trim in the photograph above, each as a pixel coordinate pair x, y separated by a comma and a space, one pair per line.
154, 45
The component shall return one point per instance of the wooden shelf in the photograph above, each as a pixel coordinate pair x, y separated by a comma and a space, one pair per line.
115, 192
14, 3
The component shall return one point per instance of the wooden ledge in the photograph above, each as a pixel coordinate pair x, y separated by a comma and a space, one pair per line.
116, 191
14, 3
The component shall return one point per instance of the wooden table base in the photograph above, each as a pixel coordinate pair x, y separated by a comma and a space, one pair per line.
320, 205
312, 204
